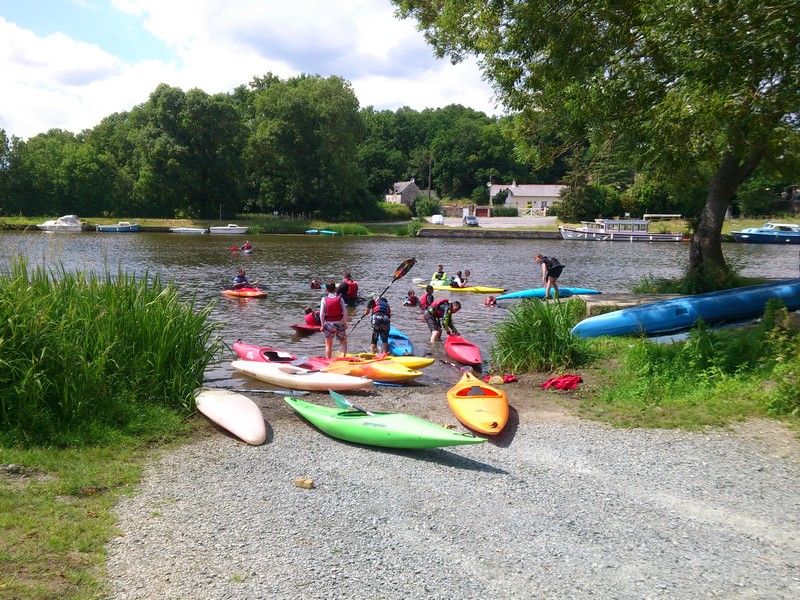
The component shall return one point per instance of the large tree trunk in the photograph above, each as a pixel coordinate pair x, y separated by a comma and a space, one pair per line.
705, 253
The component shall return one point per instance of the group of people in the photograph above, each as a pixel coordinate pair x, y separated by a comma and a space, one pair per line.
459, 280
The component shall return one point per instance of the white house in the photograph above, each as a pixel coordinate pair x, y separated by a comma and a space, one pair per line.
529, 198
403, 192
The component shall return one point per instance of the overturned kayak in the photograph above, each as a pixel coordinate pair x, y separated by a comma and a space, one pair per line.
245, 292
463, 351
470, 289
478, 405
297, 378
233, 412
387, 430
677, 314
399, 343
564, 292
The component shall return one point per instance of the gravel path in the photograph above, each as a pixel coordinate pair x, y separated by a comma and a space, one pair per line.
556, 508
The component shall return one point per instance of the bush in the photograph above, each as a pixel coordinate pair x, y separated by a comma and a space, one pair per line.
425, 207
480, 195
389, 211
505, 211
536, 336
411, 229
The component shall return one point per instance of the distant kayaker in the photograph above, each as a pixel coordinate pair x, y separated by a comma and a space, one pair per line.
411, 299
457, 280
439, 315
312, 317
348, 290
551, 269
316, 284
427, 298
439, 275
246, 247
240, 280
381, 322
333, 319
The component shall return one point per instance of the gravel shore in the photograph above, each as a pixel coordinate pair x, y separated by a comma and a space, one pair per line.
556, 508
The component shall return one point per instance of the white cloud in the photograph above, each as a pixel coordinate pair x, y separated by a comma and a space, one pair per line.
55, 81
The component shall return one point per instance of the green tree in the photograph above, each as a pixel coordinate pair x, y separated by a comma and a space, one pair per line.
701, 87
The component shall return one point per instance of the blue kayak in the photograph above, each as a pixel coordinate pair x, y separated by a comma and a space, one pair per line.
564, 292
399, 343
667, 316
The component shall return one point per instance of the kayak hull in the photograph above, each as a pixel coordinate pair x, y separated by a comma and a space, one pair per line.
399, 343
463, 351
564, 292
386, 430
677, 314
297, 378
245, 293
478, 405
305, 329
472, 289
412, 362
234, 413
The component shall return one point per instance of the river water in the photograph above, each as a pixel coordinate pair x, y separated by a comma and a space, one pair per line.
201, 265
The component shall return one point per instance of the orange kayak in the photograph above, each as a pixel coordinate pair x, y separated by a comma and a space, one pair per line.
246, 292
478, 405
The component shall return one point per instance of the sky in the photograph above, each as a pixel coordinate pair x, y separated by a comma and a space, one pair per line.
69, 63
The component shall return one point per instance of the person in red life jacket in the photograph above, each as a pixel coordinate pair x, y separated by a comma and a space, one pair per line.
411, 299
381, 320
551, 269
240, 280
246, 246
348, 290
427, 299
333, 319
316, 284
312, 317
440, 314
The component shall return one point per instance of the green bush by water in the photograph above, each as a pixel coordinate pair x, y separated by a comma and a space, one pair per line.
536, 336
85, 357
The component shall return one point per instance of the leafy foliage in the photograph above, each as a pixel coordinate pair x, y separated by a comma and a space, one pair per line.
425, 207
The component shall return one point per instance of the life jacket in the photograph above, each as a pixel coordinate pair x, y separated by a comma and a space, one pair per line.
333, 309
439, 276
382, 307
456, 281
312, 318
551, 262
438, 308
411, 300
426, 301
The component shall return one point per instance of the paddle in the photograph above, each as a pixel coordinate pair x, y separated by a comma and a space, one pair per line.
454, 365
343, 402
403, 268
279, 392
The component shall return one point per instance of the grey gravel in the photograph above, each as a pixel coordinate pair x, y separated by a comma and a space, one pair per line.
557, 508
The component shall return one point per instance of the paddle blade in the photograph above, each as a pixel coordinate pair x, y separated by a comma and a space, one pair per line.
340, 400
404, 267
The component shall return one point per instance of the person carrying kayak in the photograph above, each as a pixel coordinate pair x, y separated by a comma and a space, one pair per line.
439, 274
411, 299
312, 317
551, 269
427, 299
439, 315
348, 290
380, 318
240, 280
333, 319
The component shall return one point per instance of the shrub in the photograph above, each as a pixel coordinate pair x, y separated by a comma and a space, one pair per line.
411, 229
505, 211
425, 207
536, 336
389, 211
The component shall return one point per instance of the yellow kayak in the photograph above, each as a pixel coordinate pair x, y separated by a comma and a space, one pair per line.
412, 362
478, 405
474, 289
376, 369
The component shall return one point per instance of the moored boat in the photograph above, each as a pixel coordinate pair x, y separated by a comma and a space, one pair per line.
770, 233
386, 430
478, 405
230, 228
677, 314
120, 227
65, 224
617, 230
189, 230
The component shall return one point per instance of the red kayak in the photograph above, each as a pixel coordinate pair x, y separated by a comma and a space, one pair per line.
305, 328
246, 292
463, 351
266, 354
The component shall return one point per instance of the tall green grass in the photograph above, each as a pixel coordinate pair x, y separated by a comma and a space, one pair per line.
85, 357
276, 226
536, 336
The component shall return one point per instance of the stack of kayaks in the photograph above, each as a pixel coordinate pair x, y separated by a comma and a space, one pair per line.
296, 378
412, 362
387, 430
463, 351
245, 292
563, 292
478, 405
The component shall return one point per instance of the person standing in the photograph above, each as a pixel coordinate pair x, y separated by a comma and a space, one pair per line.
551, 269
348, 290
381, 323
440, 314
333, 319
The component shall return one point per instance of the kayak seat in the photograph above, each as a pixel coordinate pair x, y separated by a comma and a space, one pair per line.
476, 390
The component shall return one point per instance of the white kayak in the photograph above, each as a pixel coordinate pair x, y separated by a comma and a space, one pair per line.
297, 378
233, 412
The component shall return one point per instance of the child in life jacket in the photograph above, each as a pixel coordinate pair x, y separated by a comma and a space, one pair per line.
411, 299
380, 318
427, 299
312, 317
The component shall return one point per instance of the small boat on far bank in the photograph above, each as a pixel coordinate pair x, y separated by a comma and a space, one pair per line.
617, 230
121, 227
65, 224
769, 233
321, 232
230, 228
189, 230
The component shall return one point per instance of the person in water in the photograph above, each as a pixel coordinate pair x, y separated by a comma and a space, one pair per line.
312, 317
465, 282
411, 299
348, 290
333, 319
316, 284
439, 275
490, 301
457, 280
240, 280
427, 299
551, 269
439, 315
380, 318
247, 246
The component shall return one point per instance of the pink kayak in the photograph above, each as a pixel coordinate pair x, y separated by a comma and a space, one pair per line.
266, 354
463, 351
305, 328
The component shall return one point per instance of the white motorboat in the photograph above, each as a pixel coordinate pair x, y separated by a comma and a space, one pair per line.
227, 229
121, 227
617, 230
67, 223
189, 230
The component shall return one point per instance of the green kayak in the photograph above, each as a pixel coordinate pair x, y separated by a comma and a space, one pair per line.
389, 430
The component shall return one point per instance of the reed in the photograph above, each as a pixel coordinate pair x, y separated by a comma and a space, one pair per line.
536, 336
84, 357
